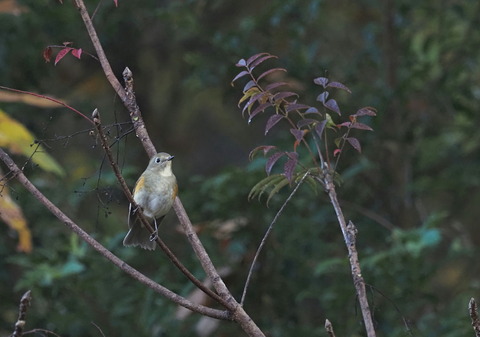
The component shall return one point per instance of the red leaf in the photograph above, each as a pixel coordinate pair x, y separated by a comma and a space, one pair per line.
361, 126
258, 109
366, 111
336, 152
239, 75
264, 148
290, 165
321, 81
254, 57
355, 143
274, 119
61, 54
339, 86
332, 105
115, 2
323, 97
77, 53
241, 63
272, 160
260, 60
320, 127
268, 72
346, 124
47, 54
275, 85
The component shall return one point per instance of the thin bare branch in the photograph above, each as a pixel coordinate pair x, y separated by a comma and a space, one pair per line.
267, 234
22, 314
473, 311
329, 328
18, 174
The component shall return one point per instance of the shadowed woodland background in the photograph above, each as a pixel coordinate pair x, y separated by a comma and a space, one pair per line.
413, 193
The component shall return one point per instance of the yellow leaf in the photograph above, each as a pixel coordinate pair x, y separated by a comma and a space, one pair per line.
18, 140
12, 215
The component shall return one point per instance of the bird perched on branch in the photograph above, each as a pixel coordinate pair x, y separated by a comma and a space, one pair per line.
154, 193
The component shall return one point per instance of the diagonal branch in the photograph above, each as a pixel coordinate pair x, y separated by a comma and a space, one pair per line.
18, 174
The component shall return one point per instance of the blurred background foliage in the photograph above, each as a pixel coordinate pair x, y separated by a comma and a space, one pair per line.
413, 192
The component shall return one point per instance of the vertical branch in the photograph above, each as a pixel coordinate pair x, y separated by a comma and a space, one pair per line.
473, 311
349, 235
22, 314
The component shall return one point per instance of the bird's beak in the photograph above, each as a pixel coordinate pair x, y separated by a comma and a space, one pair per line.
170, 158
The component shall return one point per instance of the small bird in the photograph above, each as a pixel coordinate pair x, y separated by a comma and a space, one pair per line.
154, 193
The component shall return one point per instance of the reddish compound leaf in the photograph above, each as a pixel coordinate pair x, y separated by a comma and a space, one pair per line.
339, 86
320, 127
331, 104
366, 111
47, 54
290, 165
250, 84
283, 94
307, 121
323, 97
272, 160
336, 152
312, 110
258, 110
355, 143
296, 106
268, 72
239, 75
264, 148
361, 126
298, 134
259, 61
323, 81
274, 119
77, 52
254, 57
61, 54
241, 63
274, 85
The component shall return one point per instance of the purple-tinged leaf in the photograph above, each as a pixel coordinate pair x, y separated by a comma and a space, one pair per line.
272, 160
268, 72
296, 106
239, 75
283, 94
241, 63
323, 81
307, 121
258, 110
312, 110
320, 127
250, 84
355, 143
339, 86
366, 111
259, 61
290, 165
345, 124
254, 57
298, 134
332, 105
274, 85
252, 100
361, 126
323, 97
274, 119
264, 148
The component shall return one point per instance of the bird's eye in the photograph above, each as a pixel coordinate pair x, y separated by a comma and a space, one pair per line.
157, 160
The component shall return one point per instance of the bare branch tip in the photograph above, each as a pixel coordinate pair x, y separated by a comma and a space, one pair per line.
127, 72
96, 116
